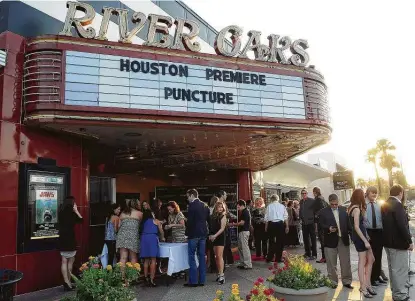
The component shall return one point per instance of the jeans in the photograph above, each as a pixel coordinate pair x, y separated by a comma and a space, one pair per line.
197, 245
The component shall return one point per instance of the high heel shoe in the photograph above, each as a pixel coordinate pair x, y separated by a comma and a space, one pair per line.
152, 284
371, 291
366, 294
67, 288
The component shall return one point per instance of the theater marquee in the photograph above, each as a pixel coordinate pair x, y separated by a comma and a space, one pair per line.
124, 82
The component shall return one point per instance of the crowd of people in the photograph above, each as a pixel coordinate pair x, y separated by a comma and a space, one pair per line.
135, 231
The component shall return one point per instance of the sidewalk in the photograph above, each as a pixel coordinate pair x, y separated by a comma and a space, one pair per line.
245, 279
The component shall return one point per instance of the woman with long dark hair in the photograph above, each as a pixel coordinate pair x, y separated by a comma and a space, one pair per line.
68, 217
217, 236
360, 239
112, 224
128, 234
149, 247
291, 238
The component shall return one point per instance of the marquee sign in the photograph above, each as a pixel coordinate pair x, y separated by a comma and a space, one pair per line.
94, 79
279, 50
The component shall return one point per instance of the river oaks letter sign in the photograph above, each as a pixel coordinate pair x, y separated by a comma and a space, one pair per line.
186, 31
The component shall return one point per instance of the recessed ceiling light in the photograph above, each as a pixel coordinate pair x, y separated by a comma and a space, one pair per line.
131, 157
172, 175
212, 169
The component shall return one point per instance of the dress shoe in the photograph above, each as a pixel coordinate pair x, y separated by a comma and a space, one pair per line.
382, 282
322, 260
411, 273
200, 284
190, 285
349, 286
375, 283
382, 274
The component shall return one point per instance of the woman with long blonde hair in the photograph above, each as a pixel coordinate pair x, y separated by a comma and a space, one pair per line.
360, 239
217, 236
258, 222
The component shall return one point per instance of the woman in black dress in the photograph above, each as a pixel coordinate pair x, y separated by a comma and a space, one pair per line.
291, 239
68, 217
360, 239
217, 236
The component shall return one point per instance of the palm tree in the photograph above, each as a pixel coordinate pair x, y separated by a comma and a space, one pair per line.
372, 158
387, 160
362, 183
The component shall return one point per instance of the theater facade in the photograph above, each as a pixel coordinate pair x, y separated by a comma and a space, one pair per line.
137, 100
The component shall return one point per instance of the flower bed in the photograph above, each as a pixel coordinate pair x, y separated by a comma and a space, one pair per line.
98, 284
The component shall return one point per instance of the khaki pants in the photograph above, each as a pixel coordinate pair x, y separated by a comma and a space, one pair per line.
398, 273
344, 255
243, 248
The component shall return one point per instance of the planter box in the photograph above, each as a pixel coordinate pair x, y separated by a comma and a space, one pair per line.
317, 294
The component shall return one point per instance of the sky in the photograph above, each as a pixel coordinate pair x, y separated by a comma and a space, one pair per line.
364, 50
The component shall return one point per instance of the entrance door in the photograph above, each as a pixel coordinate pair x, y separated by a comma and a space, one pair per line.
101, 196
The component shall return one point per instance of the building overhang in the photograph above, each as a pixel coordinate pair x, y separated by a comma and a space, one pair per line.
295, 173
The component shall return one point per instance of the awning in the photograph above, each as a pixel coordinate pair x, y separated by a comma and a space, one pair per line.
294, 173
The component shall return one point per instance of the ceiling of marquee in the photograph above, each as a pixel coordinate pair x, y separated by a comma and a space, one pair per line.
138, 148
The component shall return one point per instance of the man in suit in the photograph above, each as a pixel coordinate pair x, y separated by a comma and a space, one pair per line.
319, 204
397, 241
197, 232
374, 230
307, 217
336, 227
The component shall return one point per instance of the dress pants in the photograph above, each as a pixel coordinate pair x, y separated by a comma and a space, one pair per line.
398, 273
321, 239
376, 242
343, 252
261, 240
276, 237
309, 234
227, 251
243, 248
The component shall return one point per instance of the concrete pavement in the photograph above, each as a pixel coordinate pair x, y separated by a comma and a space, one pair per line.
245, 279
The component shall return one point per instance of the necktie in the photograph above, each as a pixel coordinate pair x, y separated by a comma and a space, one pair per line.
373, 216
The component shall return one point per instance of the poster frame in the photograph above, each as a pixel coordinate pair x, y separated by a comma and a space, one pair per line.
24, 242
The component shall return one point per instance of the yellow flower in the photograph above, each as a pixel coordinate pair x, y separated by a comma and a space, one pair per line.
235, 291
216, 299
219, 293
91, 258
129, 264
109, 268
137, 266
235, 285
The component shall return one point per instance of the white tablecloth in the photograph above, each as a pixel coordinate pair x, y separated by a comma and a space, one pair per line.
178, 256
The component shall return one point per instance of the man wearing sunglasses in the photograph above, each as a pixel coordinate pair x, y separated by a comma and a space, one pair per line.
307, 215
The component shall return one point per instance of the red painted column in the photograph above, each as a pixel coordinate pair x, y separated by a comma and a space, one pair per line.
244, 184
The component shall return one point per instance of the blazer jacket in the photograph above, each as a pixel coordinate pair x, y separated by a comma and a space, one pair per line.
396, 233
327, 220
198, 218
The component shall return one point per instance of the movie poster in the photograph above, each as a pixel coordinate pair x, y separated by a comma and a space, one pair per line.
46, 214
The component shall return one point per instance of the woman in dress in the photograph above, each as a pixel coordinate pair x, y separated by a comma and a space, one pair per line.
217, 236
68, 217
127, 237
210, 253
293, 221
176, 223
258, 222
111, 228
360, 239
149, 247
296, 208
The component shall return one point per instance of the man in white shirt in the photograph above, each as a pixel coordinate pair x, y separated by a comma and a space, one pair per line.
276, 217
